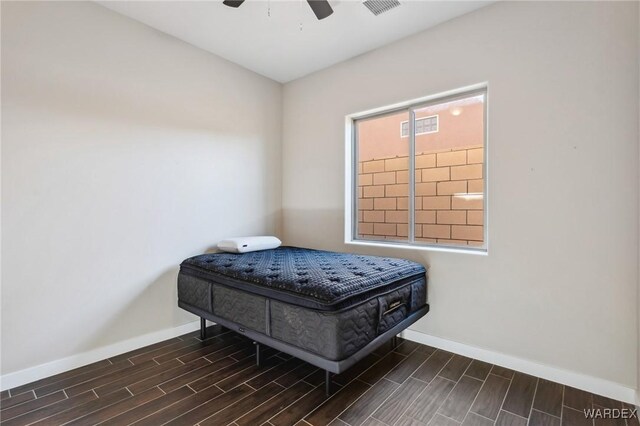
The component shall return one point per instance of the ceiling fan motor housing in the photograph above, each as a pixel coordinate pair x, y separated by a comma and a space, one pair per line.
321, 8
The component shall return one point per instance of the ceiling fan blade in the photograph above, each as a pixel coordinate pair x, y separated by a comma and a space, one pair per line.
321, 8
233, 3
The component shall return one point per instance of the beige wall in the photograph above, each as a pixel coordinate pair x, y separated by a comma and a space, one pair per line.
559, 285
124, 151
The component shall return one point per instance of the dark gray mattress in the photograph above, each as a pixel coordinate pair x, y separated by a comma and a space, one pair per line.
330, 304
316, 279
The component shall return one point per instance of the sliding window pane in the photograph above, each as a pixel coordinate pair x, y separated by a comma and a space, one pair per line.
382, 206
450, 172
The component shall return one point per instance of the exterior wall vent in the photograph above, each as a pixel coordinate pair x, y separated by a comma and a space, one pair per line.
380, 6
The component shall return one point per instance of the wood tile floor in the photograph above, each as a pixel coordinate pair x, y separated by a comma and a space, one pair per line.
186, 381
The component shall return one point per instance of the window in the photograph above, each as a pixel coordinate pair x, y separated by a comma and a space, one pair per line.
425, 186
423, 126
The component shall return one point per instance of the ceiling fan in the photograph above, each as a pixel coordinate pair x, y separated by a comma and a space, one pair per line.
321, 8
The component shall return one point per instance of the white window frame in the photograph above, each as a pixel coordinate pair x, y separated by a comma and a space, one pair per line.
351, 172
437, 117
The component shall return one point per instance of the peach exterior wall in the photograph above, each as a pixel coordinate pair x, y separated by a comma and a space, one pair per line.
380, 137
441, 217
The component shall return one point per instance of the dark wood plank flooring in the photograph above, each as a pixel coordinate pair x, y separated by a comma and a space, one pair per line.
186, 381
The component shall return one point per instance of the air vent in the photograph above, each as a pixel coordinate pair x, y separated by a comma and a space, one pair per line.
380, 6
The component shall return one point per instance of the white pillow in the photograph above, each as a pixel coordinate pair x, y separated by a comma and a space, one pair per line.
247, 244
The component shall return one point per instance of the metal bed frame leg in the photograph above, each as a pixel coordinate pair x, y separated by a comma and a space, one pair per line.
203, 328
394, 342
258, 354
327, 383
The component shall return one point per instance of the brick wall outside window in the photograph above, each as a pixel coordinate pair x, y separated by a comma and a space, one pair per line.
448, 202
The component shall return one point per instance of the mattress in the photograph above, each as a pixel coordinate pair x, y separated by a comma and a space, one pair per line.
327, 303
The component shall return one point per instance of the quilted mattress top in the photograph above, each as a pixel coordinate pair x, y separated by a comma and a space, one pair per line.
311, 278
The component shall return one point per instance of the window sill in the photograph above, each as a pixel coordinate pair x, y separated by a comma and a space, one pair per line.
418, 247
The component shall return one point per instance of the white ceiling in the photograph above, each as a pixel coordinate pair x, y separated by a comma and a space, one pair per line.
276, 46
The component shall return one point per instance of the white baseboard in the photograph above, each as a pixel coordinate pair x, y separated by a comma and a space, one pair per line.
28, 375
576, 380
